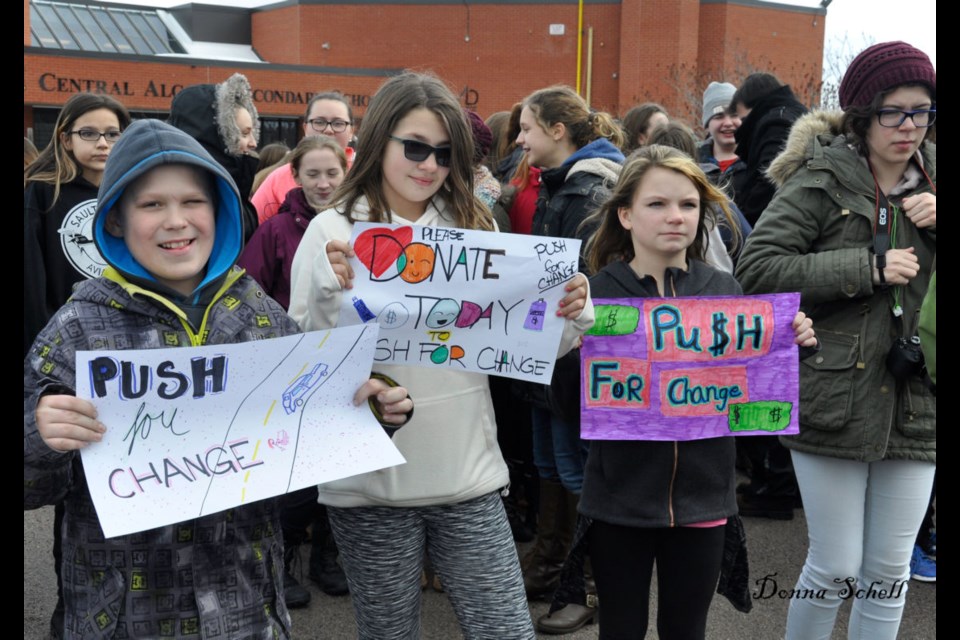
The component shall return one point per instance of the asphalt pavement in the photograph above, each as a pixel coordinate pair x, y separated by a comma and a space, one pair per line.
776, 549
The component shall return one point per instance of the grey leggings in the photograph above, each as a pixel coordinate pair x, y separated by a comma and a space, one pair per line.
471, 548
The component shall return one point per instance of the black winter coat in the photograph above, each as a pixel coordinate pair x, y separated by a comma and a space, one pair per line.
760, 138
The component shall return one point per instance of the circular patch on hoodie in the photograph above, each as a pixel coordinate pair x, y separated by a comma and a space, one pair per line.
76, 240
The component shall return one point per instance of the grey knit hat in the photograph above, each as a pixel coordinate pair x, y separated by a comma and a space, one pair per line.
716, 99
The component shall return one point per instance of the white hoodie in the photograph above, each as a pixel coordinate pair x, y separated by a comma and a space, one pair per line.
450, 444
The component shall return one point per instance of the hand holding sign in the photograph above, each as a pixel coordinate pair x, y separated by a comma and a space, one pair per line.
465, 300
196, 431
67, 423
573, 303
339, 254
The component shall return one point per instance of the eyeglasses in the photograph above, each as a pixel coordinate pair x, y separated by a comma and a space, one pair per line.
92, 135
419, 151
320, 125
892, 118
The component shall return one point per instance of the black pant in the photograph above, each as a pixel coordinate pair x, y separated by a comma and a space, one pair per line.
688, 567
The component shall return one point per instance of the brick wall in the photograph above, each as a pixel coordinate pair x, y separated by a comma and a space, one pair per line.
491, 54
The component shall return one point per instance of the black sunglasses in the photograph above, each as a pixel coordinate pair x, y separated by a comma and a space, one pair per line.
419, 151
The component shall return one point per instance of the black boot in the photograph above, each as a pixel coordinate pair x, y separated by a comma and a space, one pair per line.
557, 520
325, 570
295, 594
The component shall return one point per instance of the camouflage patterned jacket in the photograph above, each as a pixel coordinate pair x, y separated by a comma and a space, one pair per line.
219, 576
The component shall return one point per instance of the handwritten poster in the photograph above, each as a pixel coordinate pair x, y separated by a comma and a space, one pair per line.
461, 300
690, 368
196, 431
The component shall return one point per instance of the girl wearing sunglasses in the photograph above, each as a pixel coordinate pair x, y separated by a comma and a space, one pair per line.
415, 166
853, 228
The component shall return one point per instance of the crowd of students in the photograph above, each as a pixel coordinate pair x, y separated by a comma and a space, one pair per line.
164, 224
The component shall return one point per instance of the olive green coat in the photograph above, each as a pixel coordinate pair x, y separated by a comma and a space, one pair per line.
816, 237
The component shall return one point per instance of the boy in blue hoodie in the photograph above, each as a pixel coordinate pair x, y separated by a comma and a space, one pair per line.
168, 223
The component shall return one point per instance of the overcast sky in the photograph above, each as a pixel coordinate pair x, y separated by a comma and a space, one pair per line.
852, 21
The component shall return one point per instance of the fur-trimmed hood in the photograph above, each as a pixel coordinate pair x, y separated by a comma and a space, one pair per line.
822, 125
207, 112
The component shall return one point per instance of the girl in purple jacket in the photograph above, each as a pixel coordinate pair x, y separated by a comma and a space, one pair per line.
318, 165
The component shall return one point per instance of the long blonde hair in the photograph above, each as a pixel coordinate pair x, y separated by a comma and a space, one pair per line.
561, 104
612, 242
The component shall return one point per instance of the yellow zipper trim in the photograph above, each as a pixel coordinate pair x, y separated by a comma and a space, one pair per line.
196, 339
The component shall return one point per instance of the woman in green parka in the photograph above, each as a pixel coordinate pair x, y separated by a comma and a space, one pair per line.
853, 228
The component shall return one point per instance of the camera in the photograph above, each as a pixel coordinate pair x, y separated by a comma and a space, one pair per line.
905, 359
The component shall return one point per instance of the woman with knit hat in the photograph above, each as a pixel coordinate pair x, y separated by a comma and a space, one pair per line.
853, 228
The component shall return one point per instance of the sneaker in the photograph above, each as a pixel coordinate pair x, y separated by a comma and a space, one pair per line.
922, 567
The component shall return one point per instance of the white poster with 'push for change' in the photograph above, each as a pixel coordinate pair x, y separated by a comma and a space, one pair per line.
191, 432
461, 300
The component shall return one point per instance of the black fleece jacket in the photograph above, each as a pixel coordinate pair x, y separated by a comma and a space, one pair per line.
650, 484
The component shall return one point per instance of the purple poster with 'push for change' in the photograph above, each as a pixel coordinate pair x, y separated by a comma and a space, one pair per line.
690, 368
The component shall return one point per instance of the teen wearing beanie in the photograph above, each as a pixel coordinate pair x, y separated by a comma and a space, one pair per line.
853, 228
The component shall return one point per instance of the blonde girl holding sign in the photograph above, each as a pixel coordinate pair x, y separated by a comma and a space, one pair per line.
659, 502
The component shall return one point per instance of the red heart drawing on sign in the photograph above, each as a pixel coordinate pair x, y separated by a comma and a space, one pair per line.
378, 249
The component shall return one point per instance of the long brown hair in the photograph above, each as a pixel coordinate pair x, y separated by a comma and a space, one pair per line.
637, 121
393, 101
56, 165
562, 104
612, 242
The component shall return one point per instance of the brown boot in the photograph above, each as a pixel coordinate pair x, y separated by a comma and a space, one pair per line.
556, 523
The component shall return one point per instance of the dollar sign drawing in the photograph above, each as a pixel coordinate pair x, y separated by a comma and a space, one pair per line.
391, 316
720, 337
775, 414
611, 320
736, 414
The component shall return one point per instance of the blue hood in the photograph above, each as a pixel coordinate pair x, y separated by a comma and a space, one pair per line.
145, 145
599, 148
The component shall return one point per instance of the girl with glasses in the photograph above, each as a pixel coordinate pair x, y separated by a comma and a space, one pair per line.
415, 166
853, 228
59, 197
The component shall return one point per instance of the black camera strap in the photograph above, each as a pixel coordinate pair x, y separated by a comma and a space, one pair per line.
883, 220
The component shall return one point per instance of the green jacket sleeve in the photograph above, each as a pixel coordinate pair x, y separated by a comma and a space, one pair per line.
801, 244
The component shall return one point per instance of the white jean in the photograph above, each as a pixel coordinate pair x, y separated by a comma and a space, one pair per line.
862, 520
